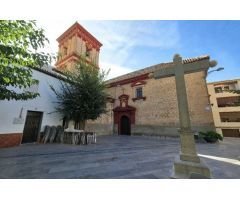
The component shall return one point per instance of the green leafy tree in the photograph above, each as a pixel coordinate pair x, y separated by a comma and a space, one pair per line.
82, 96
234, 91
19, 42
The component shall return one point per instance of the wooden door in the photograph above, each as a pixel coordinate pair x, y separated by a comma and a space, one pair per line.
125, 126
32, 126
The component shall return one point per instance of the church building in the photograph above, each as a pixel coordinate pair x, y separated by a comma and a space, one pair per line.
139, 104
142, 105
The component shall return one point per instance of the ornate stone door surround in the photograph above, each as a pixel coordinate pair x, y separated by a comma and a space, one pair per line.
124, 110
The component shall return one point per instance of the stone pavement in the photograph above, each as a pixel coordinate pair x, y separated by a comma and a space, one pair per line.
114, 157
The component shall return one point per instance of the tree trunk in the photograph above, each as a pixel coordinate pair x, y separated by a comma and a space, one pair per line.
80, 125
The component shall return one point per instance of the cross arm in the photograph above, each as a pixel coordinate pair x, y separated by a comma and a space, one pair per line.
201, 65
198, 66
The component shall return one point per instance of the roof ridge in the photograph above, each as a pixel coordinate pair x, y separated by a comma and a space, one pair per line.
78, 26
224, 81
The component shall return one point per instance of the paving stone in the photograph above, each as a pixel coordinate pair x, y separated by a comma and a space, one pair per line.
119, 157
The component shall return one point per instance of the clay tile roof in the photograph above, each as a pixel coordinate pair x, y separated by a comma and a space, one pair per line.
195, 59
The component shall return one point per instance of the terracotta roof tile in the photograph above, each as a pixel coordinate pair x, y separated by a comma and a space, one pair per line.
195, 59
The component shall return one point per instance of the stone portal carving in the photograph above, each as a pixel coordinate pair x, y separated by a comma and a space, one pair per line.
123, 110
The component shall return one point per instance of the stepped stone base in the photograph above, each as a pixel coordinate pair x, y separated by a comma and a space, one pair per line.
192, 170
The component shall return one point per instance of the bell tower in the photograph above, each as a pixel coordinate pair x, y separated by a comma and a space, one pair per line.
74, 44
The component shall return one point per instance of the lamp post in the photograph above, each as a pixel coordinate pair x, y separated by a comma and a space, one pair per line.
216, 70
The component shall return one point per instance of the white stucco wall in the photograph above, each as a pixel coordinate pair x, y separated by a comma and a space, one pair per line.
9, 110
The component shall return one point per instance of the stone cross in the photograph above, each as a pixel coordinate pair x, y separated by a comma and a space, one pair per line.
188, 164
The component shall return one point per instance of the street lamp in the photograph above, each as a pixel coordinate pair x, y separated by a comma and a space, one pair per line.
216, 70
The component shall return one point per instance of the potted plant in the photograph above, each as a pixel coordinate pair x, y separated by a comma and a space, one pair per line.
211, 136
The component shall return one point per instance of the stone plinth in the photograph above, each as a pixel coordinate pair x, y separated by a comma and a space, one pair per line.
186, 170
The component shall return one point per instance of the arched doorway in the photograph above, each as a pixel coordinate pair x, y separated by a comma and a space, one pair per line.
125, 127
124, 116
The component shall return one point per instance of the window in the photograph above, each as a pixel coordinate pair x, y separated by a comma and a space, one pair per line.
218, 89
224, 120
64, 51
139, 93
226, 88
88, 51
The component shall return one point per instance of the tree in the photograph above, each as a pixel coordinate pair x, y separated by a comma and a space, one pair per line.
19, 42
82, 96
234, 91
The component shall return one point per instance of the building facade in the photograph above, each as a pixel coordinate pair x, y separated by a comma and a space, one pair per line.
138, 104
146, 106
22, 121
226, 107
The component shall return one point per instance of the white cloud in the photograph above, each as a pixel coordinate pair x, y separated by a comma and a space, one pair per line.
115, 70
120, 39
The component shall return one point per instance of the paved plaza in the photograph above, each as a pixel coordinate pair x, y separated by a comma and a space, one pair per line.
114, 157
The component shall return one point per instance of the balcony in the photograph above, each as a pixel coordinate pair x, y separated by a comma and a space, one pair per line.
228, 101
225, 87
230, 116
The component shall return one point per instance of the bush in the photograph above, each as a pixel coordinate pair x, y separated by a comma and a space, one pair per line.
211, 136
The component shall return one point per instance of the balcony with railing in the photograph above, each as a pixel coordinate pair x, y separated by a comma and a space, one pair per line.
228, 101
230, 116
220, 88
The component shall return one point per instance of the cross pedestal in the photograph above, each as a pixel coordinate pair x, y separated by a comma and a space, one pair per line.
187, 164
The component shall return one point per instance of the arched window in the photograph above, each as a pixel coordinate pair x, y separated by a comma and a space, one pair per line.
65, 51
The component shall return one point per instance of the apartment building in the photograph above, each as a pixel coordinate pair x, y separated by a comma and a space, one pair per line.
225, 107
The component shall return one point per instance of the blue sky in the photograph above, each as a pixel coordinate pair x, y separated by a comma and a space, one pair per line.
132, 45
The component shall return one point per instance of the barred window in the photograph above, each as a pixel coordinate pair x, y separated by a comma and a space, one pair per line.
139, 92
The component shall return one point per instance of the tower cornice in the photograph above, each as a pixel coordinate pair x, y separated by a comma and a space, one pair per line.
77, 29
